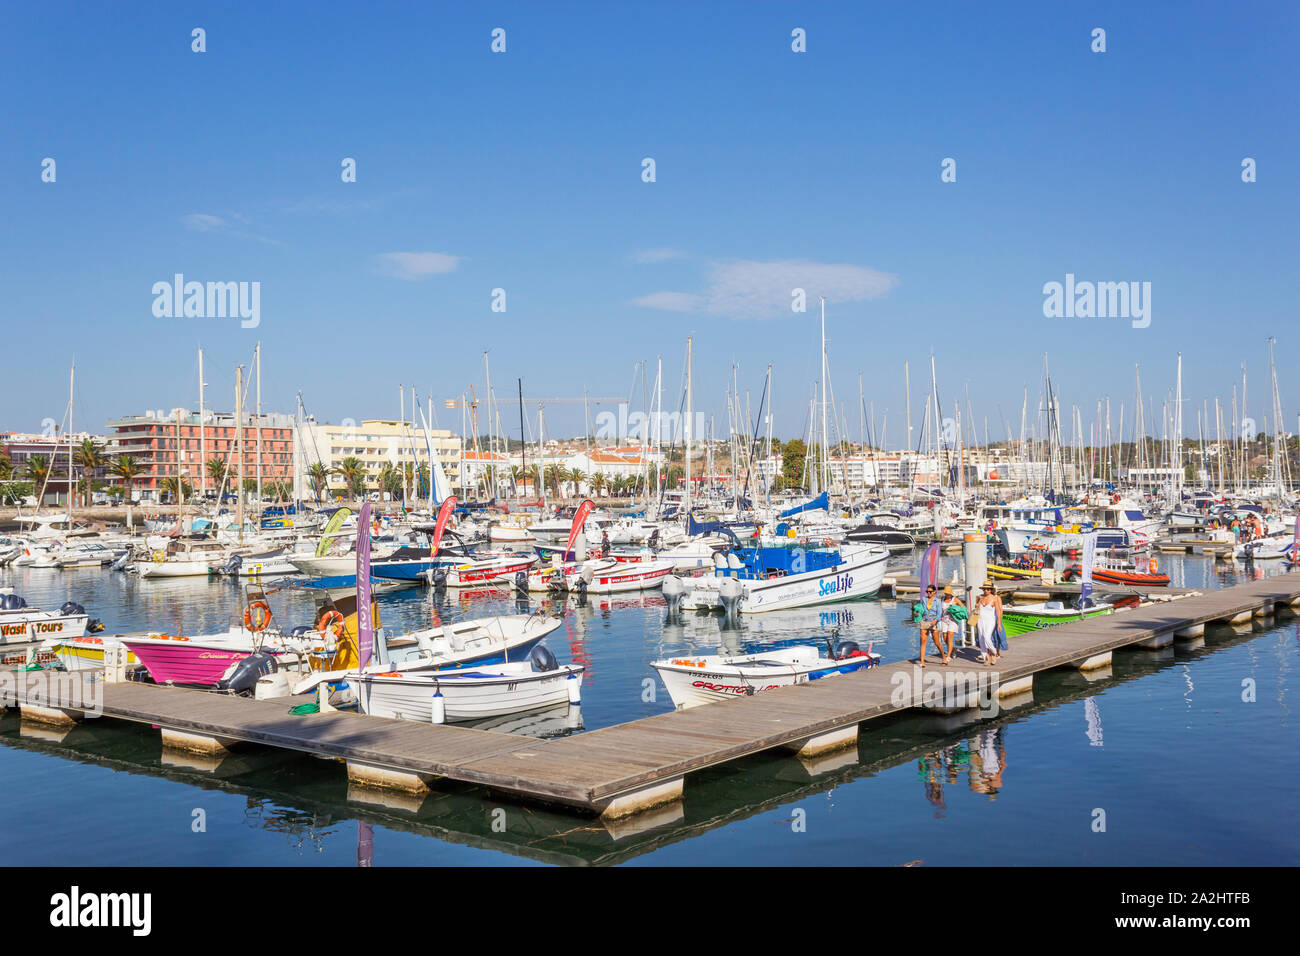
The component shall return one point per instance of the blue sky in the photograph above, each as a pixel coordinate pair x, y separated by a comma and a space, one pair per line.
523, 171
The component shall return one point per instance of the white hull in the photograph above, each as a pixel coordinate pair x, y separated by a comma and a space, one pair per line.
501, 690
18, 627
635, 576
858, 576
172, 569
692, 681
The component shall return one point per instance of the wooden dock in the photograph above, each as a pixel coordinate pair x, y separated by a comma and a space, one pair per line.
628, 768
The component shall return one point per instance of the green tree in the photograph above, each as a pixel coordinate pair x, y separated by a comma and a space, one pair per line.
89, 456
168, 486
318, 474
353, 471
793, 453
125, 467
38, 471
217, 471
576, 475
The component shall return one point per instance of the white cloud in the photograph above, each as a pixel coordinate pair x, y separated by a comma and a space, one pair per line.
417, 265
656, 255
745, 289
672, 301
203, 222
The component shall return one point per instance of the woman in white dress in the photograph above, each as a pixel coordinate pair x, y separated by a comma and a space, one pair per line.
990, 618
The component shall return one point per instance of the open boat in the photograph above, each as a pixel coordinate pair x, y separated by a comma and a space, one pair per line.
630, 576
1027, 618
469, 693
692, 681
20, 623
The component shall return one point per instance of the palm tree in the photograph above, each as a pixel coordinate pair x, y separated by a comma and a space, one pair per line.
319, 475
217, 471
89, 456
576, 475
353, 470
125, 467
169, 486
530, 476
38, 471
6, 467
598, 483
390, 480
516, 473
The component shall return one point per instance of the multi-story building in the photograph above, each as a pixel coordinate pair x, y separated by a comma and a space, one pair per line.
21, 447
164, 443
375, 443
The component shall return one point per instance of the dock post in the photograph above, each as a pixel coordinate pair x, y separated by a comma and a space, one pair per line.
190, 742
1094, 663
1190, 632
386, 778
1156, 642
830, 741
642, 799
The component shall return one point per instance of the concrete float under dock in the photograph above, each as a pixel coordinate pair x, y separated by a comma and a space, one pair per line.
629, 768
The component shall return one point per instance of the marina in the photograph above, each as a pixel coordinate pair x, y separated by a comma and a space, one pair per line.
769, 484
617, 771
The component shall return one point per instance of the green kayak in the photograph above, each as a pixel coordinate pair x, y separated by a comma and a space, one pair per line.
1026, 618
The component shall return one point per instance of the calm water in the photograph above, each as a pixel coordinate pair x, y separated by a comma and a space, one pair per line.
1185, 771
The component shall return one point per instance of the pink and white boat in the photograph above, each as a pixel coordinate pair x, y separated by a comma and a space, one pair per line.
202, 661
634, 576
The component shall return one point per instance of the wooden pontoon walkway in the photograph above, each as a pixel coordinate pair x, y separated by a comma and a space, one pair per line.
631, 767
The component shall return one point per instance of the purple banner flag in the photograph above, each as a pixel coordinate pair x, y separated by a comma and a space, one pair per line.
365, 626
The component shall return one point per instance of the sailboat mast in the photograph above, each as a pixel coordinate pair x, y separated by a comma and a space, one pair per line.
239, 450
825, 469
203, 447
72, 388
258, 415
687, 425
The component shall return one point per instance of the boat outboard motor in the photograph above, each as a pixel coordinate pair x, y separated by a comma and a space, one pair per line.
844, 649
542, 659
730, 592
674, 590
231, 568
71, 609
121, 563
521, 583
300, 629
242, 676
439, 577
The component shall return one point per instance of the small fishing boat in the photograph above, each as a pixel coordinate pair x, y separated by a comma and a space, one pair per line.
479, 571
633, 576
564, 576
1119, 567
1027, 618
692, 681
20, 623
1272, 548
443, 696
84, 653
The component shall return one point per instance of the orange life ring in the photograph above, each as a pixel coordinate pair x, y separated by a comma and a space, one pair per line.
829, 543
261, 621
331, 620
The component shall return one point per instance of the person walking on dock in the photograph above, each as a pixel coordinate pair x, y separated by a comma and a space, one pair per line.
954, 613
933, 608
989, 620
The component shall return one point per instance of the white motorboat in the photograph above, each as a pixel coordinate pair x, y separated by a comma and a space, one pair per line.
692, 681
470, 693
754, 580
564, 576
20, 623
475, 572
634, 576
